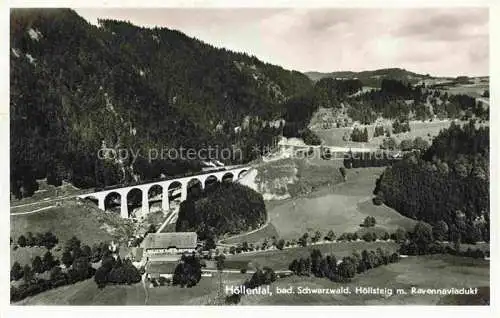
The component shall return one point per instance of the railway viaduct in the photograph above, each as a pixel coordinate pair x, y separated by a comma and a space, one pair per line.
167, 186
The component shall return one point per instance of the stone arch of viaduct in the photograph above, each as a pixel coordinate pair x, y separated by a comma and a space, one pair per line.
101, 196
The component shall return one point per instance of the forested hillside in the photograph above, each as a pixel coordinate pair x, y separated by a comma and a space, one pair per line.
227, 208
372, 78
447, 186
76, 88
395, 99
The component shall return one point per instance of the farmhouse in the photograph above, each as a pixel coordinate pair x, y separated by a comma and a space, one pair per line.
170, 244
163, 252
155, 270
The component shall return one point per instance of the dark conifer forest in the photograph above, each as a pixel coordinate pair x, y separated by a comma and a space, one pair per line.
448, 183
76, 88
226, 208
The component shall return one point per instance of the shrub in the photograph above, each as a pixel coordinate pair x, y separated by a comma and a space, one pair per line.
48, 261
369, 237
316, 237
330, 236
154, 282
385, 236
377, 200
369, 221
379, 131
303, 239
37, 265
280, 244
163, 281
188, 272
101, 277
21, 241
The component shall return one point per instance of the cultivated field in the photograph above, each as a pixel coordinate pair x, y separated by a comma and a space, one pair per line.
421, 272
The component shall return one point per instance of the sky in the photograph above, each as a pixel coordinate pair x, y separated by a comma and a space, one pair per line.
437, 41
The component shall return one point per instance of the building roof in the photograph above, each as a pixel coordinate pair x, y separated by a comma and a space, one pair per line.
161, 267
165, 257
171, 240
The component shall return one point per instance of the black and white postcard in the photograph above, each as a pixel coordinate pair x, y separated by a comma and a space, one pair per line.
248, 155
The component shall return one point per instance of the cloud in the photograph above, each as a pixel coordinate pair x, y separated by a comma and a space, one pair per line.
446, 25
436, 41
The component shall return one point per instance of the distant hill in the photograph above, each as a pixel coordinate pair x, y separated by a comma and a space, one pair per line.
372, 78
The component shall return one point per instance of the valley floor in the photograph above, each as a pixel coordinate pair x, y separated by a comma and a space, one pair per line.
341, 208
420, 272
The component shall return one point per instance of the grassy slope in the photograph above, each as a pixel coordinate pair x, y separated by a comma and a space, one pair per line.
340, 209
333, 136
308, 175
205, 293
423, 271
474, 90
268, 231
45, 192
26, 255
87, 293
86, 222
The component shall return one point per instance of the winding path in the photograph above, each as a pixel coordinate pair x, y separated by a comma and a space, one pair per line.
34, 211
221, 242
146, 294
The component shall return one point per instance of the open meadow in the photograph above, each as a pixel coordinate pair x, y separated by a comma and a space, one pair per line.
339, 207
425, 130
474, 89
44, 195
86, 293
25, 255
439, 271
86, 222
281, 259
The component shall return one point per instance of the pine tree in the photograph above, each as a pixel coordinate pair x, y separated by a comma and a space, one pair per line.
21, 241
27, 274
48, 261
16, 271
37, 265
67, 259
